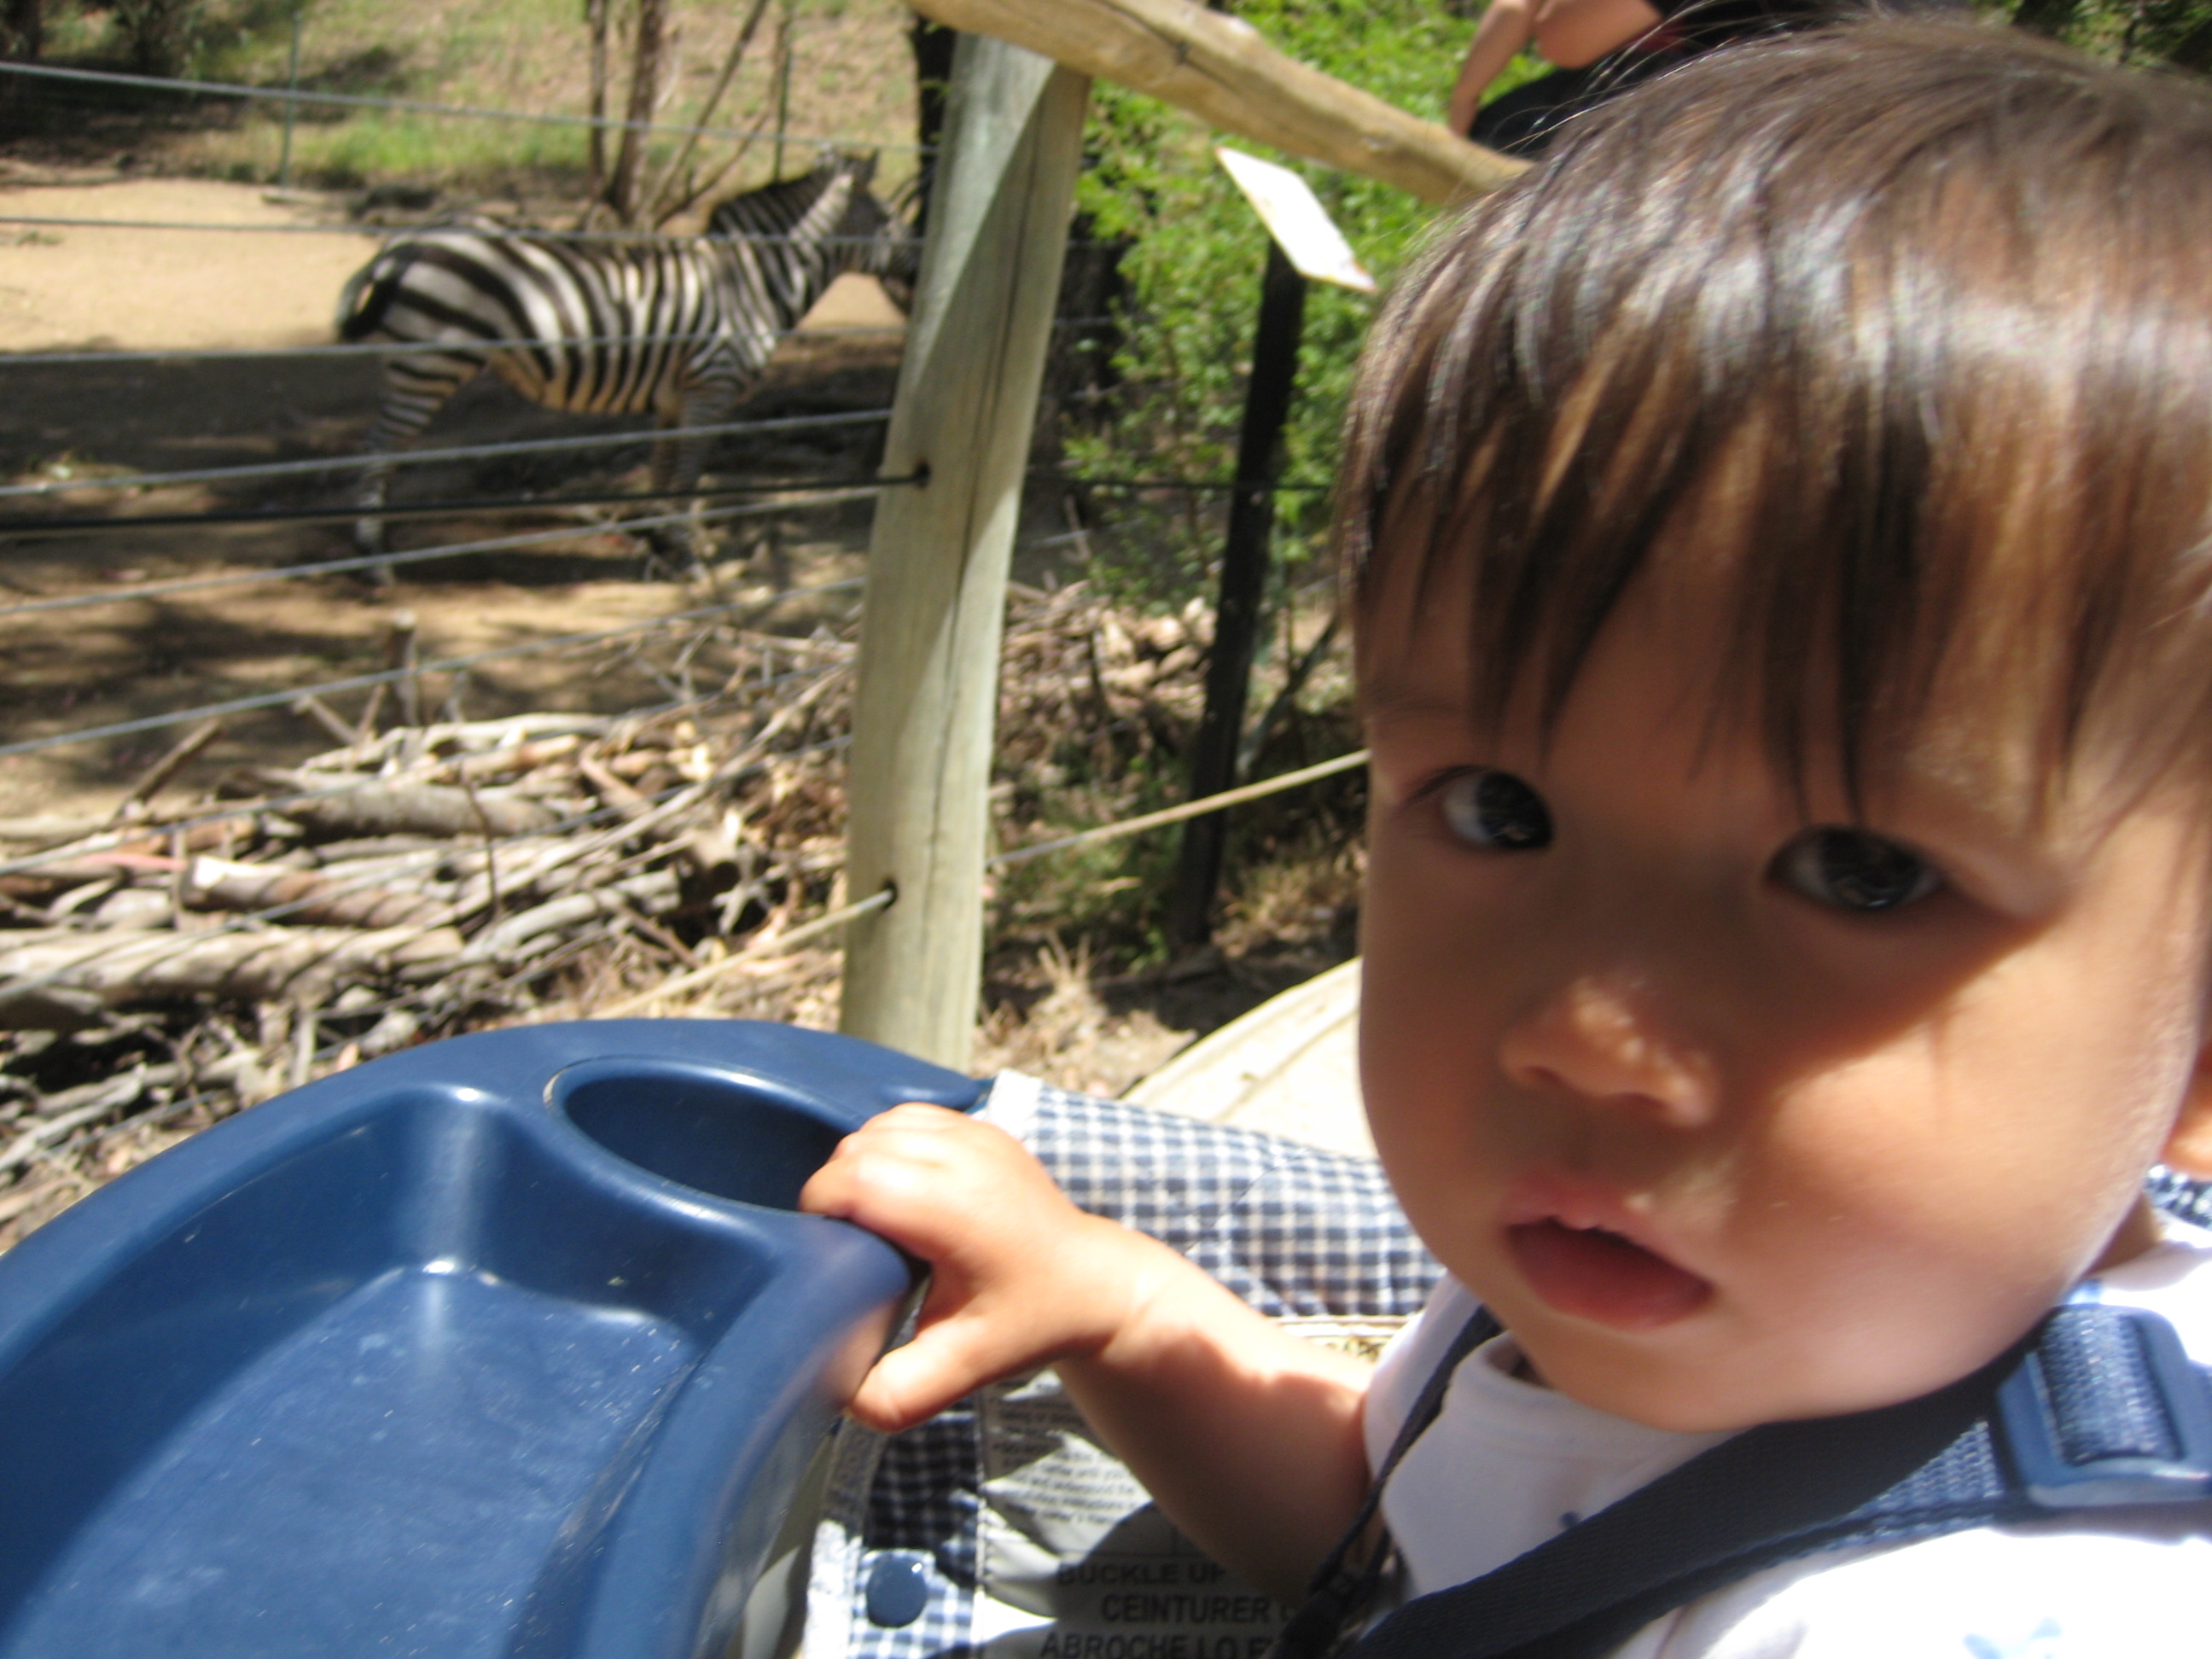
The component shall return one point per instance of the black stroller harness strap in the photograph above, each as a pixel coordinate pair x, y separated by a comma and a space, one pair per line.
2099, 1407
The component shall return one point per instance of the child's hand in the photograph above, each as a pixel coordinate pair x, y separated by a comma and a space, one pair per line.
1020, 1276
1248, 1436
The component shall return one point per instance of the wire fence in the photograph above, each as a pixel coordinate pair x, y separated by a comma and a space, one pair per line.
488, 231
291, 695
25, 526
390, 347
609, 858
137, 593
219, 474
308, 98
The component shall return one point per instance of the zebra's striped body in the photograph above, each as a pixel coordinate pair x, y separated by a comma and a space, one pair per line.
677, 328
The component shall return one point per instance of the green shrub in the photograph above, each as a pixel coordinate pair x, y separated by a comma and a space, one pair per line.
1193, 268
1192, 273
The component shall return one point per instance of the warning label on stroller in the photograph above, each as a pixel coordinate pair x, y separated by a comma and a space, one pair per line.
1077, 1563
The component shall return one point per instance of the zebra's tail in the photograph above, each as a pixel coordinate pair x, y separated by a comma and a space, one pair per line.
368, 293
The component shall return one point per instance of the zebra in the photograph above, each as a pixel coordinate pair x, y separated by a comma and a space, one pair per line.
678, 327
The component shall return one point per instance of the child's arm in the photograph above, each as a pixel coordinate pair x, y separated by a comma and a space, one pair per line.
1249, 1437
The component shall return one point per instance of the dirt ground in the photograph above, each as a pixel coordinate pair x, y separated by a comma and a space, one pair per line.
71, 289
74, 288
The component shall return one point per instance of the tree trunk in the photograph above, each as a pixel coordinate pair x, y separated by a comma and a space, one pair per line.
25, 27
644, 100
595, 19
22, 34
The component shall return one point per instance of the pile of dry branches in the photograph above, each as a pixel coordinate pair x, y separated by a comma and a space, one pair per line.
189, 959
419, 881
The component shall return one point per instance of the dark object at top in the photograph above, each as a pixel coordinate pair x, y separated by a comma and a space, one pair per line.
1523, 121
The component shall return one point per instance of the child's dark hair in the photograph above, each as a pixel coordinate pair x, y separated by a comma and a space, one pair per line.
1899, 336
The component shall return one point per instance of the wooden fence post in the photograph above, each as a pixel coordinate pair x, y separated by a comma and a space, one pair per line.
928, 696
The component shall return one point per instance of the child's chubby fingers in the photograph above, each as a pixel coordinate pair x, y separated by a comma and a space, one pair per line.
1019, 1276
944, 1361
935, 1182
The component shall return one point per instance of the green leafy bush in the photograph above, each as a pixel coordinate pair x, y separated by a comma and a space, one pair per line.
1193, 271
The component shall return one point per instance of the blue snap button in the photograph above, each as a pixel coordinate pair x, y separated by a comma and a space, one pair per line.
898, 1589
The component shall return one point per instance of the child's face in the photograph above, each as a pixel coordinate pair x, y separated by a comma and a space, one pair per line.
1732, 1119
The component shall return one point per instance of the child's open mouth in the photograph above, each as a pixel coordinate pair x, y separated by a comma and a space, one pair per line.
1591, 1274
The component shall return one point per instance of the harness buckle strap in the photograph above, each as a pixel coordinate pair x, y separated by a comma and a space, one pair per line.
2105, 1408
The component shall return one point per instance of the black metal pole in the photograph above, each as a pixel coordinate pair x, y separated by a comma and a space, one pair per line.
1244, 586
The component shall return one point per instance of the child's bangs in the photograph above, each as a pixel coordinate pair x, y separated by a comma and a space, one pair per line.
1901, 373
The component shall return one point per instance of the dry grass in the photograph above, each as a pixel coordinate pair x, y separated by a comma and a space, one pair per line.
852, 79
1069, 1036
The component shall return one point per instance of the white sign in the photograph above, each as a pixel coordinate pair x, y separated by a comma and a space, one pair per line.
1296, 219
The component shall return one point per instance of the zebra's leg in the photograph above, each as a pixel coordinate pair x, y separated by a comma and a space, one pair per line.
417, 386
368, 530
679, 458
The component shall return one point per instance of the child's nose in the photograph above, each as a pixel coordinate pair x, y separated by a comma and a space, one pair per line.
1596, 1040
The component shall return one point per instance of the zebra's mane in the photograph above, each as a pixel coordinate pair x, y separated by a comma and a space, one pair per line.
775, 209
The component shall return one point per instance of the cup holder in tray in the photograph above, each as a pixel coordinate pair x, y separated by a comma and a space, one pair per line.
404, 1363
750, 1140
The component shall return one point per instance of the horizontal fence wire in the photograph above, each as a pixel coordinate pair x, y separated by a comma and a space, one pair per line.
404, 229
458, 111
162, 589
122, 832
23, 527
489, 232
425, 457
1047, 475
790, 938
392, 349
610, 817
1192, 809
383, 676
754, 950
489, 845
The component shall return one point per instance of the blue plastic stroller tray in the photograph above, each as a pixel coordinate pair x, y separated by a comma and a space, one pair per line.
509, 1345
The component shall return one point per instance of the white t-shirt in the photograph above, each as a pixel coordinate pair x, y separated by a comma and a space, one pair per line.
1508, 1463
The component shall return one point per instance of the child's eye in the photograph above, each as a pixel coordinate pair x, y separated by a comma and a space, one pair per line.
1852, 869
1497, 811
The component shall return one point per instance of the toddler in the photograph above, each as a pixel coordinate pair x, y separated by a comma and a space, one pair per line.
1782, 528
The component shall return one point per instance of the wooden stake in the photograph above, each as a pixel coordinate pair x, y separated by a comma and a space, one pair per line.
400, 652
937, 564
1243, 591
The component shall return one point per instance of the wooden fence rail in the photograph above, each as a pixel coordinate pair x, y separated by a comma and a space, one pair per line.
1220, 68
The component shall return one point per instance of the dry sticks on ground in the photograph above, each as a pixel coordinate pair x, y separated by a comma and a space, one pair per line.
431, 858
176, 962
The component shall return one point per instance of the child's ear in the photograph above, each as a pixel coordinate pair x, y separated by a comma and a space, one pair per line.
2189, 1148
